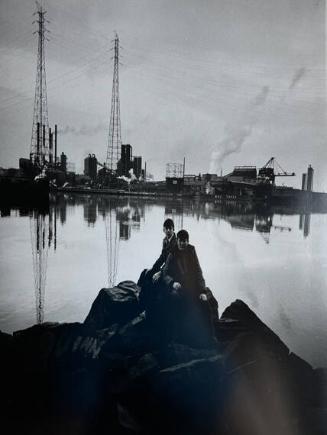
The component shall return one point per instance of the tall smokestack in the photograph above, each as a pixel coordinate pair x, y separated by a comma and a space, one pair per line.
50, 146
144, 171
55, 144
43, 144
304, 181
38, 139
310, 179
183, 168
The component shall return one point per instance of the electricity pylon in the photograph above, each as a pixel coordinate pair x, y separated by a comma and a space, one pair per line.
114, 137
40, 130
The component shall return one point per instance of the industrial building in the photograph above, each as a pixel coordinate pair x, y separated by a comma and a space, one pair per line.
128, 162
125, 163
90, 166
137, 166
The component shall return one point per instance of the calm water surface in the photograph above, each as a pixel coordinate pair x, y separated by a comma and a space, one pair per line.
52, 266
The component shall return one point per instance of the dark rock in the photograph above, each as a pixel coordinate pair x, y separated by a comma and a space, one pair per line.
117, 373
114, 305
248, 321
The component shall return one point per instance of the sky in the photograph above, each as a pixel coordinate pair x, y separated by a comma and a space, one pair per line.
219, 82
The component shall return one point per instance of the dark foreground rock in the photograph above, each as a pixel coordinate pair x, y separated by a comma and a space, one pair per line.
112, 374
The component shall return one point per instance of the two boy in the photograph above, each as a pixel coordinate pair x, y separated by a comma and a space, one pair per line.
177, 288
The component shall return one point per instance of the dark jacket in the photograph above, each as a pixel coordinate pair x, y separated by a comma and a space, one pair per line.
183, 266
167, 247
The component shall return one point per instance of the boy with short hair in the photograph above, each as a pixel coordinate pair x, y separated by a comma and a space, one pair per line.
186, 288
182, 269
168, 245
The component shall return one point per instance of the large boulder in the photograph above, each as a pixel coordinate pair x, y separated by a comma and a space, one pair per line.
239, 318
117, 373
114, 305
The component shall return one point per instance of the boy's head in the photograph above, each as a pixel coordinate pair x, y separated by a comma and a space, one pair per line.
182, 239
168, 227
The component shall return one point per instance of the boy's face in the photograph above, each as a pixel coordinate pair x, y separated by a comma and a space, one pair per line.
168, 231
182, 244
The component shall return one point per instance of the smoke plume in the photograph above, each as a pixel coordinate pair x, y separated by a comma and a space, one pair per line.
297, 77
131, 173
84, 130
237, 133
122, 177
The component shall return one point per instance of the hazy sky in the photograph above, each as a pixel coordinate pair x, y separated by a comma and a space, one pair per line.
221, 82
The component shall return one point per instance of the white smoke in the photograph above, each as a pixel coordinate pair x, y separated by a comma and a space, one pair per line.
237, 133
297, 77
84, 130
122, 177
132, 175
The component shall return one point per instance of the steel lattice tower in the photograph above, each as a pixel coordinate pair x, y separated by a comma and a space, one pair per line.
40, 129
114, 138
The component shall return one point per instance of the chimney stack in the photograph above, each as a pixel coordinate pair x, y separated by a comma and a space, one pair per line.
50, 147
55, 144
304, 181
310, 179
43, 147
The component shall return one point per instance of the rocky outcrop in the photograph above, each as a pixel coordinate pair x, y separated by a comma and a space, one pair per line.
115, 374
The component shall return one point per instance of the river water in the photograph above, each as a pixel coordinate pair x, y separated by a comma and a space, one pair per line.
52, 265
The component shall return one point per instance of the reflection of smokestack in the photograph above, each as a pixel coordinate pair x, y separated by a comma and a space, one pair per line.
304, 181
306, 229
55, 226
55, 144
310, 179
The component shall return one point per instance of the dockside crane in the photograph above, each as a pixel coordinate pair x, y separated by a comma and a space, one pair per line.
271, 170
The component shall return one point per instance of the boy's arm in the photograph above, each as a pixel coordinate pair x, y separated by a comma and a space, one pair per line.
166, 272
198, 272
160, 261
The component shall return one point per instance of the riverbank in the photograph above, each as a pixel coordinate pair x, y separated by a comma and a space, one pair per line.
278, 196
113, 374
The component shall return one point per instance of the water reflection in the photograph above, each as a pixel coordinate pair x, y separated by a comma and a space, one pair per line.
304, 224
43, 232
128, 213
122, 217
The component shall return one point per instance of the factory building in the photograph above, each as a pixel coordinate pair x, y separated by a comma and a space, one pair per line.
137, 166
63, 162
307, 179
125, 163
90, 166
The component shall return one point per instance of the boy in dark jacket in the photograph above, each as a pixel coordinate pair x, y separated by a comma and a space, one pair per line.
150, 280
168, 245
182, 269
186, 289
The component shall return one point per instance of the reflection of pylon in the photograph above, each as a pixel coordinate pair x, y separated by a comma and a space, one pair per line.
177, 215
112, 240
265, 236
40, 240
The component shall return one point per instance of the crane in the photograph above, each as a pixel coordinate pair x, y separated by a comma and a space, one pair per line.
267, 171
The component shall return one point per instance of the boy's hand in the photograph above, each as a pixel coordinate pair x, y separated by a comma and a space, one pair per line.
176, 285
156, 277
